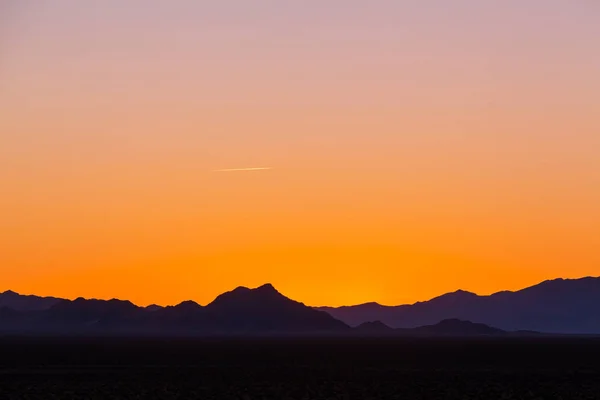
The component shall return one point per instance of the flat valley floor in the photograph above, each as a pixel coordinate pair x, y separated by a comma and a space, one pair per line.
362, 369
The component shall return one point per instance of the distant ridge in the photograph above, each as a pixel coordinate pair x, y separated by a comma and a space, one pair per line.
242, 311
457, 327
373, 327
20, 302
265, 309
448, 327
566, 306
560, 306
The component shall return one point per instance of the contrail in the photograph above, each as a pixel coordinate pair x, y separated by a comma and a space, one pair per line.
242, 169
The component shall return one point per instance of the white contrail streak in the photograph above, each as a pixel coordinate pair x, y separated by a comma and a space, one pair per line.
242, 169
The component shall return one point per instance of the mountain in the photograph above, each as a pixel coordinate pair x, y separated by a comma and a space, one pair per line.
92, 313
242, 311
557, 306
187, 316
455, 327
15, 301
265, 309
80, 316
448, 327
373, 328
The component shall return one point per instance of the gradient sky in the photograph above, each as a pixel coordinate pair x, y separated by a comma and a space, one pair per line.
416, 147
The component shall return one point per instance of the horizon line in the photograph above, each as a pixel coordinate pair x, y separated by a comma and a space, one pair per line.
311, 306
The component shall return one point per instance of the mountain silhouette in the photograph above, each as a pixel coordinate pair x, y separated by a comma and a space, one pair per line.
567, 306
81, 316
20, 302
185, 316
265, 309
557, 306
242, 311
456, 327
373, 328
88, 312
448, 327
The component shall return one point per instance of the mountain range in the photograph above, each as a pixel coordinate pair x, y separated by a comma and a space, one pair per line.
241, 311
558, 306
561, 306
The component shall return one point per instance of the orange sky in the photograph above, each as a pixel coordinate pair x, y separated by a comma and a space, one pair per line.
415, 149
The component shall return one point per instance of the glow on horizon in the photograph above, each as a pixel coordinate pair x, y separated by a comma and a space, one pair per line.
418, 147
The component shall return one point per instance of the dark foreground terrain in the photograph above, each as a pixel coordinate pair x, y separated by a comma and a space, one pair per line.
500, 368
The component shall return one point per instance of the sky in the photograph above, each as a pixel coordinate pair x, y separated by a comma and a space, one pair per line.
413, 147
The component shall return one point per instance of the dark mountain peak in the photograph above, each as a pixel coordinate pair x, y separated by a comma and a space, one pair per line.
122, 303
264, 289
567, 282
590, 280
363, 306
458, 327
371, 304
267, 288
574, 280
456, 322
81, 304
19, 302
263, 295
268, 292
461, 292
153, 307
187, 305
177, 313
451, 299
458, 294
239, 293
239, 289
265, 309
89, 314
556, 290
373, 326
